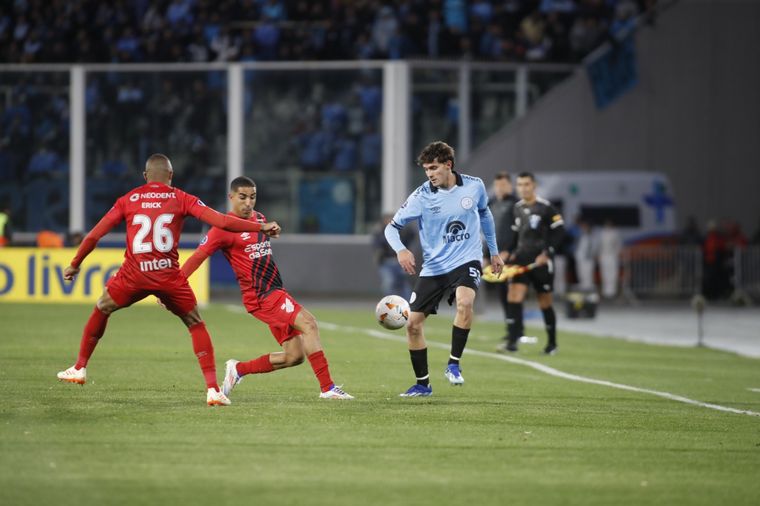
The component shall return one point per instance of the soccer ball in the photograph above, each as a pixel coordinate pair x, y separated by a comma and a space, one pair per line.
392, 312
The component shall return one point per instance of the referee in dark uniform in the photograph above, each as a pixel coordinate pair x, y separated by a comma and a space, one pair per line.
538, 231
501, 204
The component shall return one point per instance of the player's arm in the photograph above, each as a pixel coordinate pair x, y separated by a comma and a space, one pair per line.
110, 220
505, 236
554, 236
234, 224
512, 244
214, 241
410, 210
195, 261
489, 230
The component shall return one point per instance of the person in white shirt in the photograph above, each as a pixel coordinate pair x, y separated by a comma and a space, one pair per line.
585, 255
610, 246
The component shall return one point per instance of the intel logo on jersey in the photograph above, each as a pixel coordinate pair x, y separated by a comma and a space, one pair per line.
455, 232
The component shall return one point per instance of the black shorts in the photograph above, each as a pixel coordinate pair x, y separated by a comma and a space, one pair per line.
429, 290
542, 278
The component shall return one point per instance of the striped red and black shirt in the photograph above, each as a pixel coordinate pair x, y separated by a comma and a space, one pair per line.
249, 254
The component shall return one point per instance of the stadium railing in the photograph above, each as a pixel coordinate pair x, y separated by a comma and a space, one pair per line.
747, 273
661, 271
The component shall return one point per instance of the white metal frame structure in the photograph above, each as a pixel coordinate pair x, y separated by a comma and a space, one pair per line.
396, 129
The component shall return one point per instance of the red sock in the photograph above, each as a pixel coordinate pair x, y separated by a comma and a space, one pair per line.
321, 370
204, 350
93, 331
256, 366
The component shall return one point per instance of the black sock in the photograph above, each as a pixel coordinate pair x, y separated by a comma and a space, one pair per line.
420, 366
458, 342
550, 320
515, 323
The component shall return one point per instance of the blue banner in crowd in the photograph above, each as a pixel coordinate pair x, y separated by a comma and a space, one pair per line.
614, 72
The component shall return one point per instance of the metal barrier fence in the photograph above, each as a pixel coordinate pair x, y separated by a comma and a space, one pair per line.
661, 271
747, 271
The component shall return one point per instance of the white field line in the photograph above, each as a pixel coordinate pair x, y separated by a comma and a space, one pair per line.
544, 369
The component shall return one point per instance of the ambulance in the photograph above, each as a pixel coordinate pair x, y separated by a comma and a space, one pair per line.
640, 204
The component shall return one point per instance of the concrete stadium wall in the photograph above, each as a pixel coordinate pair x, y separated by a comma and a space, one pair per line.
694, 115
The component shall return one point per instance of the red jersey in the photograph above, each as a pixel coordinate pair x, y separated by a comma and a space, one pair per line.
154, 213
249, 254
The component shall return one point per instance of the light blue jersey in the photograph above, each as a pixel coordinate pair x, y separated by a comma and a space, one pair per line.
450, 222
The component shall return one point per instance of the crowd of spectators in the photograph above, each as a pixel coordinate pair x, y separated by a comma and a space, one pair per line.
34, 31
718, 243
329, 124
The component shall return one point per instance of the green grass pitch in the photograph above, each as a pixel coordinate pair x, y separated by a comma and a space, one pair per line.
140, 433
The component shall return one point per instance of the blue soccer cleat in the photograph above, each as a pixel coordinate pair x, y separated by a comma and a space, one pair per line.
418, 390
454, 375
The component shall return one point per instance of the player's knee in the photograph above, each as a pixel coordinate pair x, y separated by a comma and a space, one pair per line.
414, 327
308, 323
192, 318
464, 306
106, 305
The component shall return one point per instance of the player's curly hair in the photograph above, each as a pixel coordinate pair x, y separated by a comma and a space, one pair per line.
437, 150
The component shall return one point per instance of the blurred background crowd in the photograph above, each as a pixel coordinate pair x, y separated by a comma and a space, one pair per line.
34, 31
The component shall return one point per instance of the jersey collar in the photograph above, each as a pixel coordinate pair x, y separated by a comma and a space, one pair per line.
459, 182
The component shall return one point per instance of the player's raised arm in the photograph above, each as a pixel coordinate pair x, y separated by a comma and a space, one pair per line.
110, 220
233, 224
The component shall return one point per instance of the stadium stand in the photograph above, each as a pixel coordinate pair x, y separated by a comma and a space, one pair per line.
40, 31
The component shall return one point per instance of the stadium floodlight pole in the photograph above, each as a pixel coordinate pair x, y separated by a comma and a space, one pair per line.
464, 147
235, 126
76, 148
396, 135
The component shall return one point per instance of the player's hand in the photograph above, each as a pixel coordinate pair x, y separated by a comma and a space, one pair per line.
542, 259
272, 229
504, 256
70, 272
497, 264
406, 261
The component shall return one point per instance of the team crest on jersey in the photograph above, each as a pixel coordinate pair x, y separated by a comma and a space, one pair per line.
534, 221
245, 236
467, 203
134, 197
435, 210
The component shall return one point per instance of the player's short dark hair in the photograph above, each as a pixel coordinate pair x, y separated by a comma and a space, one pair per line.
527, 174
502, 175
437, 150
241, 182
